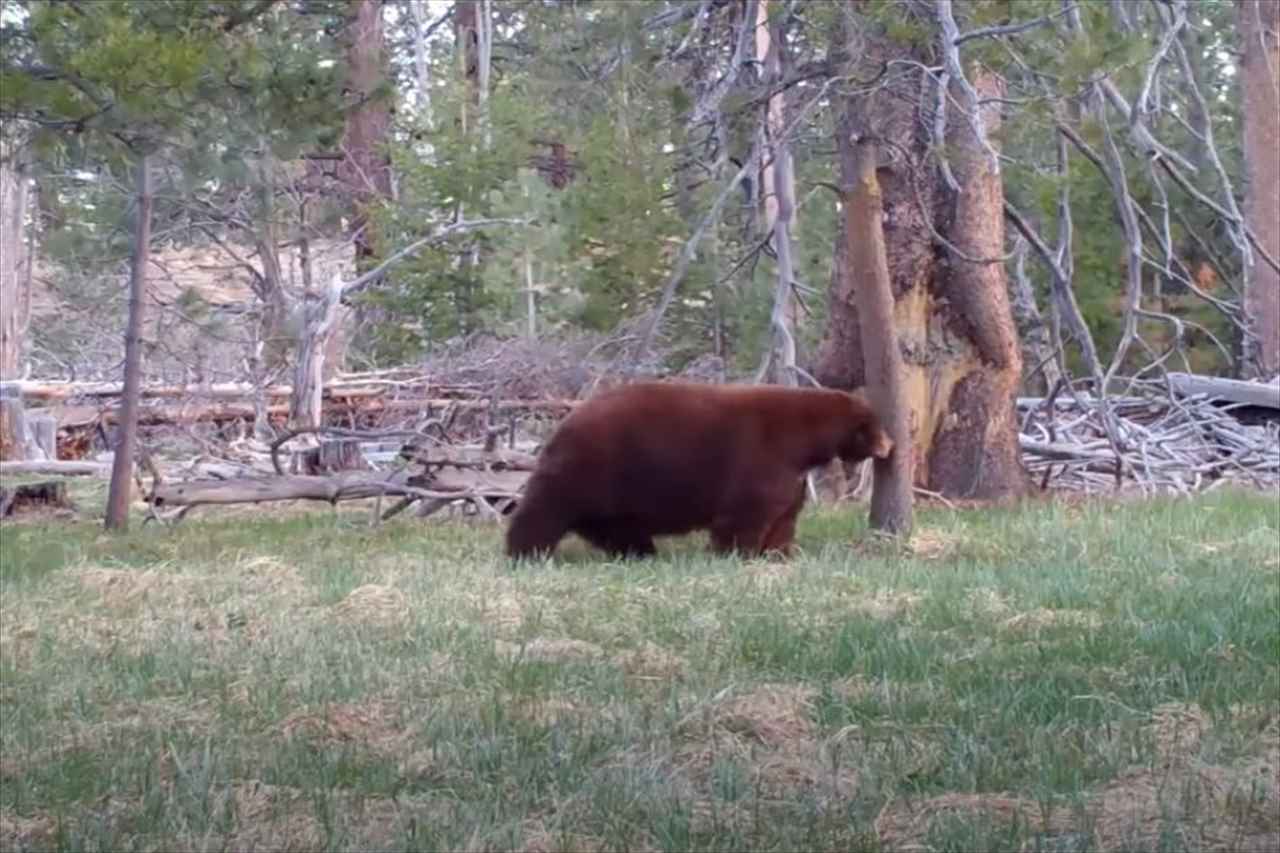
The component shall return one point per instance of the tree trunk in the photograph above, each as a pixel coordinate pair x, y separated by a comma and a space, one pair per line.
322, 313
13, 424
891, 491
1038, 355
13, 256
1260, 85
117, 517
365, 170
421, 68
779, 199
961, 359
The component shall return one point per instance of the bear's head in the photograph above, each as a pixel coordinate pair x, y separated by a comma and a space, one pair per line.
865, 436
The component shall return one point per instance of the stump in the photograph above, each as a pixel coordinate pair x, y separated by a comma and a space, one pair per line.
329, 457
13, 424
49, 494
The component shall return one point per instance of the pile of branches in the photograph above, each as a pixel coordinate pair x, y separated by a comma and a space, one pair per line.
1155, 440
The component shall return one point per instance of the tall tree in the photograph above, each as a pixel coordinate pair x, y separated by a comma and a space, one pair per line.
117, 517
14, 269
139, 78
944, 238
365, 169
1260, 87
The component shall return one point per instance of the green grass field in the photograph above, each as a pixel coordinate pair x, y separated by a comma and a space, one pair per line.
1053, 677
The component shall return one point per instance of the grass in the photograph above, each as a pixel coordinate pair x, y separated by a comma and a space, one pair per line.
1053, 677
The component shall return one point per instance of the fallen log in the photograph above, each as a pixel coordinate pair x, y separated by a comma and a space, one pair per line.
57, 467
341, 487
55, 391
1231, 390
470, 457
72, 417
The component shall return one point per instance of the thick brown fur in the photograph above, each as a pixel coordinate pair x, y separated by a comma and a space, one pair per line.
658, 458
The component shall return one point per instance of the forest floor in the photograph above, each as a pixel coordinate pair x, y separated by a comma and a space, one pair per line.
1059, 676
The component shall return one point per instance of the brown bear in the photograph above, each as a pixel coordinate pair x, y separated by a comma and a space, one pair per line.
664, 458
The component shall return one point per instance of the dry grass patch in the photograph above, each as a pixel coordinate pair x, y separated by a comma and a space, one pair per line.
650, 663
931, 543
1033, 622
905, 826
273, 817
373, 604
376, 724
767, 574
770, 714
505, 607
990, 604
887, 604
545, 650
1203, 806
25, 832
537, 837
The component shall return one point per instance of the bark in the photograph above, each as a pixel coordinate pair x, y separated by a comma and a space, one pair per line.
960, 352
117, 516
1260, 87
891, 491
975, 450
365, 170
14, 279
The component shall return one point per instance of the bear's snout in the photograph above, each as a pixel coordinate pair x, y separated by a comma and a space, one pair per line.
883, 446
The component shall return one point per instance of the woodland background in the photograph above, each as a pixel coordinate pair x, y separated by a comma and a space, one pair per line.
1075, 195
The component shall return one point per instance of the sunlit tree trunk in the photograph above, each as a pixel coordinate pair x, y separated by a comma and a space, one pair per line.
891, 493
1260, 87
118, 496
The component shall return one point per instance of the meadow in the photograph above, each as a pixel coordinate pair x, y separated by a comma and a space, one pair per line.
1056, 676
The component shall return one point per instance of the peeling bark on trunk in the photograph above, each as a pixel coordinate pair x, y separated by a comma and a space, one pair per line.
1260, 85
117, 516
961, 358
975, 451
